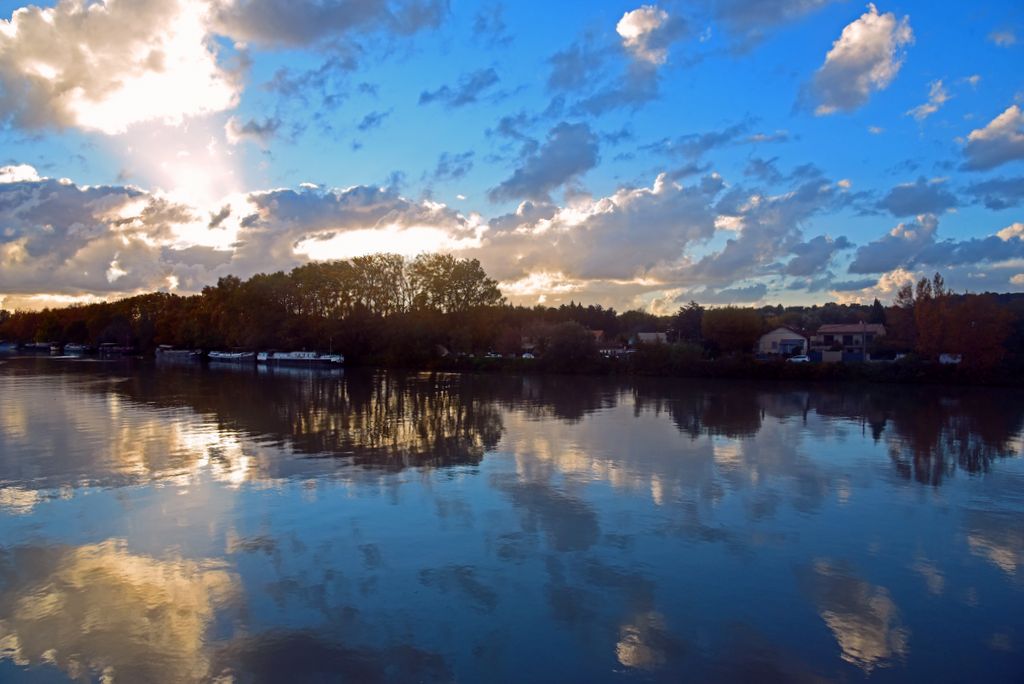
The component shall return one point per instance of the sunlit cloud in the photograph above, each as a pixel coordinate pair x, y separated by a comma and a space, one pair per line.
107, 66
394, 239
865, 58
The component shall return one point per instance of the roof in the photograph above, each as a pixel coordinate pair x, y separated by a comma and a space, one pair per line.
846, 328
786, 329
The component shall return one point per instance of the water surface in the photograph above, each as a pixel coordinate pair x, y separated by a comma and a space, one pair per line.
188, 524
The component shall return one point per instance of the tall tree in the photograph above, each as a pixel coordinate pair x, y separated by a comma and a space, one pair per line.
732, 329
686, 324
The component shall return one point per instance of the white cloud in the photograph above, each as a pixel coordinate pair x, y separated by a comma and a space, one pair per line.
1004, 38
633, 247
638, 28
937, 96
18, 173
630, 236
105, 66
1001, 141
1014, 230
866, 58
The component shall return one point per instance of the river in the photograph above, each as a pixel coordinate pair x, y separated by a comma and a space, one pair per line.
232, 525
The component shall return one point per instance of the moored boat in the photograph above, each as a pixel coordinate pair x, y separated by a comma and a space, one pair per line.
232, 357
75, 349
166, 352
300, 358
114, 349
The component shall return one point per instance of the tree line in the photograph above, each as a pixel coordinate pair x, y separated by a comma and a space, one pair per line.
387, 309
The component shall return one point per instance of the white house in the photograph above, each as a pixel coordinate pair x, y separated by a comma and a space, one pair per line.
782, 342
651, 338
850, 338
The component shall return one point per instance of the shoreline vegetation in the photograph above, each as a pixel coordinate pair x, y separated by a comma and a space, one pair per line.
437, 312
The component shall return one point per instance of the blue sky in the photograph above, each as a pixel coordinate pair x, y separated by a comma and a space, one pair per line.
635, 155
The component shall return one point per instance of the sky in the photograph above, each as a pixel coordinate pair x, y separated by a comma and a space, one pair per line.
624, 154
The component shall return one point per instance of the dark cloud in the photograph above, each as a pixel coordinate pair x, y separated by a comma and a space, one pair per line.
489, 26
569, 151
852, 285
588, 66
373, 120
688, 169
576, 67
261, 132
452, 166
920, 197
915, 243
514, 126
764, 170
469, 88
219, 217
637, 86
694, 145
615, 137
767, 230
297, 23
814, 256
776, 137
897, 248
999, 193
750, 21
729, 295
328, 81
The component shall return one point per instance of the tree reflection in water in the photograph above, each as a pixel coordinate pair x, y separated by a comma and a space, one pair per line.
929, 433
393, 421
640, 527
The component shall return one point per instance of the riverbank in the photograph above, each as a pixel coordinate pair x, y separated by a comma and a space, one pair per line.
905, 371
663, 362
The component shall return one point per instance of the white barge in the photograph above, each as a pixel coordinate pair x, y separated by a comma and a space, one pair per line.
300, 358
166, 352
232, 357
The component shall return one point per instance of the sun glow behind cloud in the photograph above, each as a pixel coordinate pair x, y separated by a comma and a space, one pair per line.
179, 179
394, 239
107, 66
